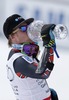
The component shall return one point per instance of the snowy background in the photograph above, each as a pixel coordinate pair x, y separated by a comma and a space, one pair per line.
49, 12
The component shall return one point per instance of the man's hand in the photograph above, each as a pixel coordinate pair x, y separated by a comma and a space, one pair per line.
47, 35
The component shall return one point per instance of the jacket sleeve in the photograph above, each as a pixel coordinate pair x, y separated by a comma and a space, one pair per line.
46, 61
28, 69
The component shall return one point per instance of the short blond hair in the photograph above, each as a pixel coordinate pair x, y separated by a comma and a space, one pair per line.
9, 42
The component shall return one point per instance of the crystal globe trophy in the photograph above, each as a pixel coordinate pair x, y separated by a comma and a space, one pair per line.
34, 30
60, 31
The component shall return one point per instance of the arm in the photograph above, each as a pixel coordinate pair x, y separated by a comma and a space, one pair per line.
48, 42
25, 68
46, 61
46, 70
28, 69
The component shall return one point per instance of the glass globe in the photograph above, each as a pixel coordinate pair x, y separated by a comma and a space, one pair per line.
60, 31
34, 30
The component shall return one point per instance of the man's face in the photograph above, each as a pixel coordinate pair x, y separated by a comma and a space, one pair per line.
20, 35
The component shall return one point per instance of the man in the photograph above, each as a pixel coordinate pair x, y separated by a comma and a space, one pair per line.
22, 62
